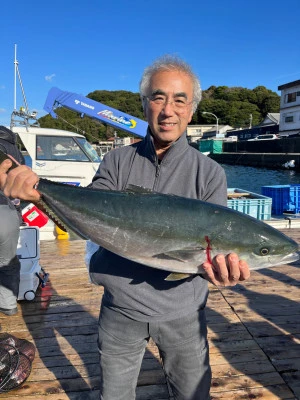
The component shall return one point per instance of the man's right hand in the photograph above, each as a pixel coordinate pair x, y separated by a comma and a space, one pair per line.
19, 182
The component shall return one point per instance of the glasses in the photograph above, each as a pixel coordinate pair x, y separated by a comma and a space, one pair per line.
179, 104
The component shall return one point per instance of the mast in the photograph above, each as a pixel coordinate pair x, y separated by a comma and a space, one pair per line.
23, 116
15, 84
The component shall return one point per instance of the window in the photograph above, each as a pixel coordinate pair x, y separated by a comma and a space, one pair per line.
289, 119
290, 97
58, 148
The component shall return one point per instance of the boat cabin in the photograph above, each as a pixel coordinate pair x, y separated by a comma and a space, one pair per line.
59, 155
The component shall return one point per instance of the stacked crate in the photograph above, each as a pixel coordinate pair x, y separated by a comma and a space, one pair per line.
250, 203
285, 198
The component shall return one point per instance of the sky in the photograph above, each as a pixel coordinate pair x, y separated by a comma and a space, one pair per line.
83, 46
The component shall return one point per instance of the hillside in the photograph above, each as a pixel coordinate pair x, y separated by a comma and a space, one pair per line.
233, 106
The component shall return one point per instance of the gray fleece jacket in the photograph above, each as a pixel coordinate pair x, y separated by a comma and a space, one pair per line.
136, 290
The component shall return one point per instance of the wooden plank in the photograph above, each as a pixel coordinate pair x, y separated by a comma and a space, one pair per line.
231, 195
241, 382
238, 357
293, 381
278, 392
228, 369
157, 392
236, 345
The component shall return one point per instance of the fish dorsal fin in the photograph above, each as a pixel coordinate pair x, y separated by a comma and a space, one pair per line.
138, 189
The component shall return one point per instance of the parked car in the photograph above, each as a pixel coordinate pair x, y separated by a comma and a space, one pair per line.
265, 137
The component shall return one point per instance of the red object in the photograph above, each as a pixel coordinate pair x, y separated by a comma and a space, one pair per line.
33, 216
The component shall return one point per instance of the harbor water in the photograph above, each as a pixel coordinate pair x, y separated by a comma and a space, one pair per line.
250, 178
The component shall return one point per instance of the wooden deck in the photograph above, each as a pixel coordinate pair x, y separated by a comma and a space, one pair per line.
254, 334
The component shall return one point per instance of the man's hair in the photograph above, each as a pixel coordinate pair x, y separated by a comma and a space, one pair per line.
169, 63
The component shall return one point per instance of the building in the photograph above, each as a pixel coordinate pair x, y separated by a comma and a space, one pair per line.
269, 125
212, 133
290, 109
195, 132
271, 119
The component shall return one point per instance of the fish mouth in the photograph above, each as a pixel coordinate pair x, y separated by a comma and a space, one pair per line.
289, 258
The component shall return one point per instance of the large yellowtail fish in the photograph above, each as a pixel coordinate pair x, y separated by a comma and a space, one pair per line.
163, 231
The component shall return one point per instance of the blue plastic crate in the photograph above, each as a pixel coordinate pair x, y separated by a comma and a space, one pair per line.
285, 198
255, 205
294, 204
280, 195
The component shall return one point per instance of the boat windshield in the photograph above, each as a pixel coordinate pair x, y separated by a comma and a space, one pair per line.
89, 149
65, 148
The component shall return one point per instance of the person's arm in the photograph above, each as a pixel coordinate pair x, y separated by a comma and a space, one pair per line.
107, 175
216, 187
225, 270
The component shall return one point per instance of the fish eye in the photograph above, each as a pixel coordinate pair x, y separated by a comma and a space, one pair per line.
264, 251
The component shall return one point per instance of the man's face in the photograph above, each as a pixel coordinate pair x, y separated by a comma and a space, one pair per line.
168, 120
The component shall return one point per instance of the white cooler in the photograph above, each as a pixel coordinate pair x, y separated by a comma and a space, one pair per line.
28, 251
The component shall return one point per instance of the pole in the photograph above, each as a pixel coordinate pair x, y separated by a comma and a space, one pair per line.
217, 125
15, 84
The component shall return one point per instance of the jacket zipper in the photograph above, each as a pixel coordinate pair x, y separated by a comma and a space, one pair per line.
157, 173
157, 170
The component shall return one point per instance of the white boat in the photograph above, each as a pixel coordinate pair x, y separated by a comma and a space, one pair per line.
59, 155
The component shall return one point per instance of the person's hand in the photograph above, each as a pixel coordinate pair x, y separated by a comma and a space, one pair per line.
226, 270
19, 182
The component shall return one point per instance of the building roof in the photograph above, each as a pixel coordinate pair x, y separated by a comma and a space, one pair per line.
288, 85
270, 119
220, 127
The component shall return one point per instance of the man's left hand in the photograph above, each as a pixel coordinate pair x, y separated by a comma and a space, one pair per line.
226, 270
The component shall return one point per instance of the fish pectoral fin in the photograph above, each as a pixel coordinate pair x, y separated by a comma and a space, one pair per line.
135, 189
183, 255
176, 276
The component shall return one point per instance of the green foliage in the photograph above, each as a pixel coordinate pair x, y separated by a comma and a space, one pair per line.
233, 106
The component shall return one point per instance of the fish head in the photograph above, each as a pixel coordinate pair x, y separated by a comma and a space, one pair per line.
263, 246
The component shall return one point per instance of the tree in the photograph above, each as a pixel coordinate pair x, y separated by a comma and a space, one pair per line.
232, 105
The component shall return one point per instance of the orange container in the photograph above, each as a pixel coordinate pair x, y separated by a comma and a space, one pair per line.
33, 216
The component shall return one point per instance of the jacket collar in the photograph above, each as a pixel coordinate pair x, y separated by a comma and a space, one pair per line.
176, 149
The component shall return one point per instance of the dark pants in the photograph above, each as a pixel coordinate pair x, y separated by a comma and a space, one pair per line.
182, 344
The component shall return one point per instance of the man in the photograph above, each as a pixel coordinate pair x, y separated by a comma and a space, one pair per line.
9, 233
138, 303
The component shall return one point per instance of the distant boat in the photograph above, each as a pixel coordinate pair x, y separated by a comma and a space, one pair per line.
289, 164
